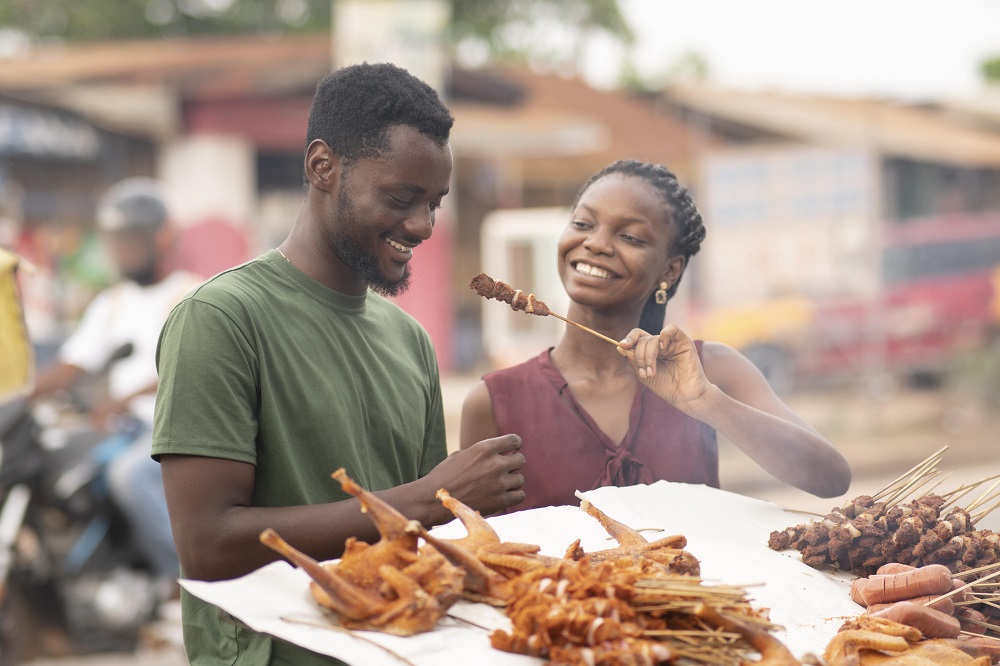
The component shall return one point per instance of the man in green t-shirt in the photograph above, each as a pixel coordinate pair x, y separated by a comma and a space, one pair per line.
278, 372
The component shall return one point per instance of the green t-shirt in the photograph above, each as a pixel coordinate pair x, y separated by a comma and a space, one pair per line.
264, 365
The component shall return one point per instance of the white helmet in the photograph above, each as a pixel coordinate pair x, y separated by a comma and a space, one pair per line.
133, 204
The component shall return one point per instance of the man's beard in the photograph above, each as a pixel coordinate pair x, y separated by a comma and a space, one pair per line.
358, 259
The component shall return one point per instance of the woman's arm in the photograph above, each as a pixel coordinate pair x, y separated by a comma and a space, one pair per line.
727, 392
478, 422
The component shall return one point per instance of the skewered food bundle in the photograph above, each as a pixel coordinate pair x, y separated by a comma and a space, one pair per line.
487, 287
872, 641
394, 586
622, 612
668, 552
490, 565
927, 598
865, 534
902, 627
871, 532
639, 603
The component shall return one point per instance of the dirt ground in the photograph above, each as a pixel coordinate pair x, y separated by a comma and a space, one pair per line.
882, 433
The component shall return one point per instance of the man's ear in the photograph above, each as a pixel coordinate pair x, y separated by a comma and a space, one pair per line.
322, 166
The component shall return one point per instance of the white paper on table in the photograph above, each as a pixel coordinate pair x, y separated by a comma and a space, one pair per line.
726, 532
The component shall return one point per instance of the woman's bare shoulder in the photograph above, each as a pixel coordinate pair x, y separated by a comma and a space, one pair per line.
724, 364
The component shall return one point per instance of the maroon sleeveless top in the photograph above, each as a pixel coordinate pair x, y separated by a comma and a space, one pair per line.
566, 451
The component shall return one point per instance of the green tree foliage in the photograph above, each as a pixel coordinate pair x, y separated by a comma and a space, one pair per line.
509, 29
99, 20
991, 69
497, 29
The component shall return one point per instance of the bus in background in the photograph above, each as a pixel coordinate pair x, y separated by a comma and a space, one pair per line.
938, 295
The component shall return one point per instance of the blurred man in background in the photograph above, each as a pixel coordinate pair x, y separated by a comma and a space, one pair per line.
117, 335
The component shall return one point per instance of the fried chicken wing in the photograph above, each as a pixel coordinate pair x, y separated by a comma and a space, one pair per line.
668, 552
393, 585
490, 564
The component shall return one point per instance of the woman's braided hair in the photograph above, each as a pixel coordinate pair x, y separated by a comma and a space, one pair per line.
679, 209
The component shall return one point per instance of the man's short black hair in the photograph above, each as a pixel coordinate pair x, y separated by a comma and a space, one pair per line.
355, 106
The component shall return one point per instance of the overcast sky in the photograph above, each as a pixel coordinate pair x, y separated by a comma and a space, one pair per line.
907, 48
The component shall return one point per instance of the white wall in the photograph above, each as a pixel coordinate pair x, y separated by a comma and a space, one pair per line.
210, 176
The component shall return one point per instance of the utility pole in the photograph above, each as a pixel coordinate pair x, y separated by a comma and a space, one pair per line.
410, 34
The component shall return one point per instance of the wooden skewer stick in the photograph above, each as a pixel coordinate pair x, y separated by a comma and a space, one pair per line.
962, 588
489, 288
956, 495
916, 470
986, 625
962, 491
985, 497
982, 514
589, 330
912, 487
970, 572
980, 596
938, 483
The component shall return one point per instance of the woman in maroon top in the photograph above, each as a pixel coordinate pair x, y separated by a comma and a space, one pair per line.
588, 417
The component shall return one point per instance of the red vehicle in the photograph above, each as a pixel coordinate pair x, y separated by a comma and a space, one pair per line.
938, 295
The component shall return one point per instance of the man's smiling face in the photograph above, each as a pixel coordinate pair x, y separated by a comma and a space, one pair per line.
385, 206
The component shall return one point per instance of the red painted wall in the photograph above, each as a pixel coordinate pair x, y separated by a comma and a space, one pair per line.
429, 298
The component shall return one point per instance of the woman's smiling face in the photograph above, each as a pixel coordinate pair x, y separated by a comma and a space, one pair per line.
617, 246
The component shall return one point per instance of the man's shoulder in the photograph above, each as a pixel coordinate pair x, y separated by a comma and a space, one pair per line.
234, 283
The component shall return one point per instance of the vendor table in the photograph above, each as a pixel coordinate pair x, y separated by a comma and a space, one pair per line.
726, 532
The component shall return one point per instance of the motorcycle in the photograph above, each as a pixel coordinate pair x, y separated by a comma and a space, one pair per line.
72, 579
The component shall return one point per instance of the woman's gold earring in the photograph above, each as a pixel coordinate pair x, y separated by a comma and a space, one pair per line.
661, 293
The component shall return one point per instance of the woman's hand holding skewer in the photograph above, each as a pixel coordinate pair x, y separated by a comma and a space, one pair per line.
667, 364
739, 405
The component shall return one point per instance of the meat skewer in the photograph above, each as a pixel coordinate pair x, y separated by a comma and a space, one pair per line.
487, 287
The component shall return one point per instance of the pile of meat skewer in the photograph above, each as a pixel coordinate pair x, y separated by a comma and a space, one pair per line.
871, 532
865, 534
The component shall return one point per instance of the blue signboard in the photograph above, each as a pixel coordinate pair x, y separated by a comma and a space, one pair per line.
42, 133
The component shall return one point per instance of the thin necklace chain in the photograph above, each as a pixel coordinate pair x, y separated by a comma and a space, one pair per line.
283, 255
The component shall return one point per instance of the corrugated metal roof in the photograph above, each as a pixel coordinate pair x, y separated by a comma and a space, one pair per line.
888, 127
203, 68
553, 116
537, 117
139, 87
565, 130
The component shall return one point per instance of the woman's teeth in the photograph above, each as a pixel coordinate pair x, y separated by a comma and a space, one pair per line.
592, 271
398, 246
